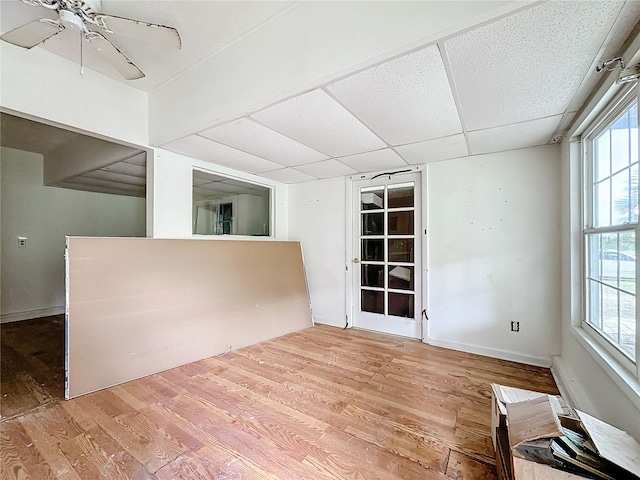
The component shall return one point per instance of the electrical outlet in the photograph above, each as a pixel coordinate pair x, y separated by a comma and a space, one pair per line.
515, 326
22, 241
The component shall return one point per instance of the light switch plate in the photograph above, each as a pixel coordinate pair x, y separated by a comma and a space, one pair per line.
22, 241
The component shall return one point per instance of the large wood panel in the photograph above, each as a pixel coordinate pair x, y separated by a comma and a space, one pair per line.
322, 403
138, 306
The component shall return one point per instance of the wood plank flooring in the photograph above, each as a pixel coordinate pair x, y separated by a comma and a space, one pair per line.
31, 364
321, 403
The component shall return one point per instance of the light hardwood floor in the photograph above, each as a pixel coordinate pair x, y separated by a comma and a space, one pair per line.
321, 403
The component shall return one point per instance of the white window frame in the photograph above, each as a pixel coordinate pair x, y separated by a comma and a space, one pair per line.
622, 101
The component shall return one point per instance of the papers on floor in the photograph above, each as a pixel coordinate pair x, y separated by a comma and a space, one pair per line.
549, 440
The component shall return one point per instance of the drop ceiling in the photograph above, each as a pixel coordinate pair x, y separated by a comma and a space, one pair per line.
210, 186
510, 82
127, 176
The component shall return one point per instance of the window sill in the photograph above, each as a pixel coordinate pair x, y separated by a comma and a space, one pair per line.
623, 378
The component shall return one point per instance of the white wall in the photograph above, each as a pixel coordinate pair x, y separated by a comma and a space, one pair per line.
317, 219
494, 251
494, 254
37, 84
592, 384
33, 276
170, 193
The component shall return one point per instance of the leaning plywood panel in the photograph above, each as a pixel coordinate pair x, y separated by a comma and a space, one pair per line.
139, 306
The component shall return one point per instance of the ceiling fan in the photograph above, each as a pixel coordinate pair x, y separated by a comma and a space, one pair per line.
84, 16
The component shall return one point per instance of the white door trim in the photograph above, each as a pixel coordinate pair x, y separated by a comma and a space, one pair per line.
349, 232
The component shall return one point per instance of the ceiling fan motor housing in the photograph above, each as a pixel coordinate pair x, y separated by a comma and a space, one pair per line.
73, 13
71, 20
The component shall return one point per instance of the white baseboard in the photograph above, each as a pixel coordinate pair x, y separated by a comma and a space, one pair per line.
30, 314
492, 352
327, 321
569, 388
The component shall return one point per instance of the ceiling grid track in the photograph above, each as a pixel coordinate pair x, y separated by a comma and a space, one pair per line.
447, 67
388, 145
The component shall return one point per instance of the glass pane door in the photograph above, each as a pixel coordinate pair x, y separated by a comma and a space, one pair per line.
387, 256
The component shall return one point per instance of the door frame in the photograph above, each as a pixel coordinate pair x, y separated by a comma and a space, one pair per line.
423, 303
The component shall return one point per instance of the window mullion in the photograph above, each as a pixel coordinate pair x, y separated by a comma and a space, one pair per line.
611, 178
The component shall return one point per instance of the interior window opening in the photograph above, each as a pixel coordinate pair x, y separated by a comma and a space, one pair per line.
227, 206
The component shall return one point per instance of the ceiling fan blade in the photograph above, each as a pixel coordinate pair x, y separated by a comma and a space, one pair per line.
167, 37
31, 34
109, 52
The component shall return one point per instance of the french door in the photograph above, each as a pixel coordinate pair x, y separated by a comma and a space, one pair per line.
386, 263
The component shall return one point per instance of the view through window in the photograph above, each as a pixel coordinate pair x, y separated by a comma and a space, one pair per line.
610, 233
226, 206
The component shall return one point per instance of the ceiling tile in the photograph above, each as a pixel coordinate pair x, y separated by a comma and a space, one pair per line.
288, 175
221, 188
528, 65
82, 180
140, 192
510, 137
207, 177
326, 169
202, 191
127, 169
624, 25
247, 135
318, 121
373, 161
210, 151
405, 100
116, 177
435, 150
137, 159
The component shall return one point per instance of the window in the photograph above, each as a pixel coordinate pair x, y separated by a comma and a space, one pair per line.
611, 222
226, 206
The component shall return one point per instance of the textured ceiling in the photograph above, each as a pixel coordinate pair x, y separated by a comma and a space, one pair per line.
513, 82
210, 186
529, 65
406, 100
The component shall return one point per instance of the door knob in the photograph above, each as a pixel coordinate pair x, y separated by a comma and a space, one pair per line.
356, 260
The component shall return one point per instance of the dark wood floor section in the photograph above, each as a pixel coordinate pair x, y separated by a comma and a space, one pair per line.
31, 364
322, 403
